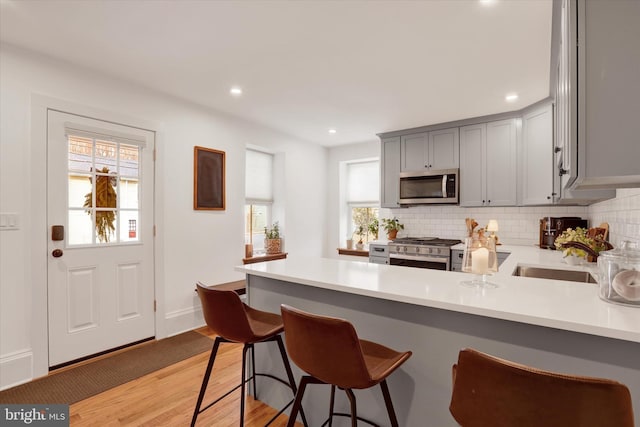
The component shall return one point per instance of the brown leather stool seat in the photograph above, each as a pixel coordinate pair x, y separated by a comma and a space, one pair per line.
235, 322
488, 391
329, 350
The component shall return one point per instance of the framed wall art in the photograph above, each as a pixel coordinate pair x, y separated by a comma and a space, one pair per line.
208, 179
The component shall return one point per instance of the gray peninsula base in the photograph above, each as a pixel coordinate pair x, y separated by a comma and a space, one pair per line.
421, 388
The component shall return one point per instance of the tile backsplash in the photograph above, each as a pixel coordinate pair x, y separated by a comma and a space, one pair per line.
520, 225
622, 213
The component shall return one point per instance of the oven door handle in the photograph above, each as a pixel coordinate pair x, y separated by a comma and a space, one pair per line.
441, 260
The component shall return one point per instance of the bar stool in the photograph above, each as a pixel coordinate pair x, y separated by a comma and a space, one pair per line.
329, 350
235, 322
488, 391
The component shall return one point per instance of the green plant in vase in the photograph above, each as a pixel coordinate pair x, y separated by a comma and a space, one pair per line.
272, 240
374, 228
392, 226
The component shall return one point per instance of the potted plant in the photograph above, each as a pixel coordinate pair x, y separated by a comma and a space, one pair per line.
374, 228
272, 240
360, 232
392, 226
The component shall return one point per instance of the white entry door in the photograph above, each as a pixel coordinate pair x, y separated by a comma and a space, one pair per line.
100, 252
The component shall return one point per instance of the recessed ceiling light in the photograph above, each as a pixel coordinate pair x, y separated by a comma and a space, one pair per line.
511, 97
332, 131
235, 91
487, 2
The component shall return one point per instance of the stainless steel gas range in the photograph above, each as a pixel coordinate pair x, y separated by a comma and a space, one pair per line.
422, 252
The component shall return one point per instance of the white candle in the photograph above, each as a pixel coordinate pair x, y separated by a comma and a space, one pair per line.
480, 261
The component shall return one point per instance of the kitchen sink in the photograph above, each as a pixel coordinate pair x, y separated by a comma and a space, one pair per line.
548, 273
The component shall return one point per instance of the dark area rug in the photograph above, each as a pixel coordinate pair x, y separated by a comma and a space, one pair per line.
84, 381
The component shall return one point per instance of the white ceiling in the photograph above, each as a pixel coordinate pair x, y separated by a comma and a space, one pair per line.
362, 67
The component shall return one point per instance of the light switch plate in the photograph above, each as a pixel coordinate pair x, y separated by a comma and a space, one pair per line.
9, 221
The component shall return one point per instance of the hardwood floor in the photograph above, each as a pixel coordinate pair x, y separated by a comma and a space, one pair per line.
167, 397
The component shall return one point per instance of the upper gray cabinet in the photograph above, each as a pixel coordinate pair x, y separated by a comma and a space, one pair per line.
537, 156
488, 164
435, 150
390, 172
598, 96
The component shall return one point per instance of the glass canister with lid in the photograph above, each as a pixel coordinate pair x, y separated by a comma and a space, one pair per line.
619, 274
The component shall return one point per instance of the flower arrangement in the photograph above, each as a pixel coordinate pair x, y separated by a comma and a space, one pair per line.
106, 197
577, 242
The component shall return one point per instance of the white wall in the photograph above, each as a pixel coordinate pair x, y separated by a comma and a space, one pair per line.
338, 155
191, 245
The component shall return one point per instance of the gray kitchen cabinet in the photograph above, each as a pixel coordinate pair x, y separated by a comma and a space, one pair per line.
435, 150
472, 164
501, 162
488, 164
598, 97
537, 156
390, 172
414, 152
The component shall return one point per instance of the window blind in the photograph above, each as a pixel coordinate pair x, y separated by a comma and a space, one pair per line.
259, 176
363, 182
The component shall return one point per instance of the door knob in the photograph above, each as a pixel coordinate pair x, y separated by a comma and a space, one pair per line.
57, 253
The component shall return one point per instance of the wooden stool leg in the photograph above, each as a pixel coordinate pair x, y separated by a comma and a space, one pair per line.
354, 412
244, 379
333, 397
297, 404
253, 371
287, 368
205, 380
388, 403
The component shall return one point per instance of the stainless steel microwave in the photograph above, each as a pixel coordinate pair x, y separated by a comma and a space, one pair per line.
429, 187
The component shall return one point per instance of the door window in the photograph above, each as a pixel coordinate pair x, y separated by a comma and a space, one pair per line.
103, 190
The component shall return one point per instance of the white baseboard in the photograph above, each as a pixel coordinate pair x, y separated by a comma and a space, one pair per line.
180, 321
16, 368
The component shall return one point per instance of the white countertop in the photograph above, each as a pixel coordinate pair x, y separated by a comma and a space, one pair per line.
570, 306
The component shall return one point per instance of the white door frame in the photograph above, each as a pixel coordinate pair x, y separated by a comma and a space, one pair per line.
37, 216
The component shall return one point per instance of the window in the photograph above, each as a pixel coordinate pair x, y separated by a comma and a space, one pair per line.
362, 196
103, 187
258, 197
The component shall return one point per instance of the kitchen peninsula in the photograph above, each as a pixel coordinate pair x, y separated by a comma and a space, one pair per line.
550, 324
